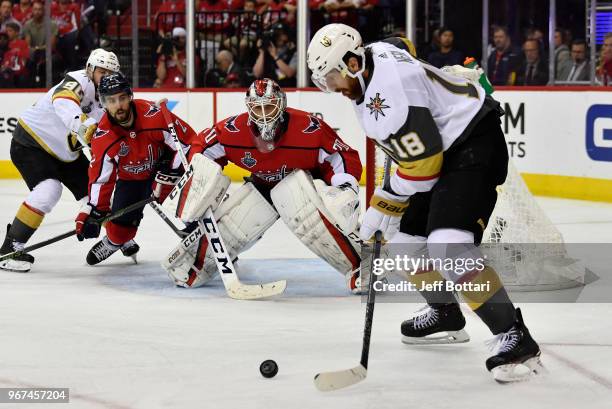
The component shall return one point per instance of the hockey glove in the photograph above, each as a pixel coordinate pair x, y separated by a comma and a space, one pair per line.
87, 129
384, 214
88, 222
163, 184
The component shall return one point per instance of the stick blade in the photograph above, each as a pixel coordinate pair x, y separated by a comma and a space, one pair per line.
239, 291
331, 381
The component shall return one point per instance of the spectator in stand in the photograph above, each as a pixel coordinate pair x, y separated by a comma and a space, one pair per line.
172, 60
276, 11
171, 14
430, 48
563, 61
34, 34
15, 59
581, 66
212, 23
503, 59
22, 11
277, 58
3, 44
34, 30
246, 30
446, 55
67, 15
227, 73
533, 69
604, 68
235, 5
6, 16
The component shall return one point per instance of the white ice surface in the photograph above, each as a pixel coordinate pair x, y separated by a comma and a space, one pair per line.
121, 336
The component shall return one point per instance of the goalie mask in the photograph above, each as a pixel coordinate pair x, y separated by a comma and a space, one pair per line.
266, 103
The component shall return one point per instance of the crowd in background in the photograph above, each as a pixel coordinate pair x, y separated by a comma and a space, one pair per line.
240, 40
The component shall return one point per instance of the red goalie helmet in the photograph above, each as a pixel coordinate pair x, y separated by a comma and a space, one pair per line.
266, 103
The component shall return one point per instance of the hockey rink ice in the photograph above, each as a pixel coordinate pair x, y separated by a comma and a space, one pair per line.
121, 336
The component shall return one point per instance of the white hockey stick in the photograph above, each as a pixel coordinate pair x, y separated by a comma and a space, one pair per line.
208, 226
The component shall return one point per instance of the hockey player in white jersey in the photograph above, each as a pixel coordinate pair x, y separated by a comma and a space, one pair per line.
45, 149
444, 133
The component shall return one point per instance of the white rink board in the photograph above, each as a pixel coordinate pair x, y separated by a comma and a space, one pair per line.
546, 131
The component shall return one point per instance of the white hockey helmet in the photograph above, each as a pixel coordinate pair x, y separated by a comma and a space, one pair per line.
102, 59
326, 53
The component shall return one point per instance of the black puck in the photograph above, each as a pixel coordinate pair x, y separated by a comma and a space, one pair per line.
268, 368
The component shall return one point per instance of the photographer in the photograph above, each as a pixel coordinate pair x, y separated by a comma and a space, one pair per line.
277, 58
171, 63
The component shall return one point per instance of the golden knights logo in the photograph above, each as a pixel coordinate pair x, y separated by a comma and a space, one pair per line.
249, 161
377, 106
325, 41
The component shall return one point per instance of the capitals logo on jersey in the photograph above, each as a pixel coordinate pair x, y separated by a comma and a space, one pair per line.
377, 106
153, 110
139, 167
230, 124
273, 176
248, 160
313, 126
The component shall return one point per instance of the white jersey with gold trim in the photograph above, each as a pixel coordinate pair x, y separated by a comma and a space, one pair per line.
415, 112
55, 118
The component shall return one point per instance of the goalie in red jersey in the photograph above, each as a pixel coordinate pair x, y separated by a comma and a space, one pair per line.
301, 171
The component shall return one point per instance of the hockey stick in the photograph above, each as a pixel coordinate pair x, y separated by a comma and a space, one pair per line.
63, 236
331, 381
208, 226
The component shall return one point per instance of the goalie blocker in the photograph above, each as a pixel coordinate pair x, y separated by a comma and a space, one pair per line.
318, 214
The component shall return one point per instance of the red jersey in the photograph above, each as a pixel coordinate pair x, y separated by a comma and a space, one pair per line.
67, 17
171, 14
16, 57
308, 143
215, 22
22, 15
174, 77
134, 153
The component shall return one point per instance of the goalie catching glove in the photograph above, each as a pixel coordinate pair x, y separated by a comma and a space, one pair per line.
384, 214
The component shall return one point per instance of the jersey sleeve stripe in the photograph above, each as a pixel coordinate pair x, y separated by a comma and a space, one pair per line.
422, 169
67, 95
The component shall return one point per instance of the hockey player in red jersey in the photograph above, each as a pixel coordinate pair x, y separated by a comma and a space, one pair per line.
300, 170
133, 156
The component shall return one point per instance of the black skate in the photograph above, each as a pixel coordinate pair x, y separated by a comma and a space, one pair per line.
130, 249
442, 324
19, 264
101, 251
517, 355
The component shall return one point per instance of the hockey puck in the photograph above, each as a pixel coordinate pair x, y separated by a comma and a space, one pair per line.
268, 368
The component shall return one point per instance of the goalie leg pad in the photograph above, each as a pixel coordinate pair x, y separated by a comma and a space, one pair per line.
203, 185
242, 218
300, 206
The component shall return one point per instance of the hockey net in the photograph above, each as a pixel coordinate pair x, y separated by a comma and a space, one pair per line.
520, 242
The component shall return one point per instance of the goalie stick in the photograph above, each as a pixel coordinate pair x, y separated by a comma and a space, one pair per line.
334, 380
207, 225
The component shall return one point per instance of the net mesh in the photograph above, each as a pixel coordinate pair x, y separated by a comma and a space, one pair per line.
520, 242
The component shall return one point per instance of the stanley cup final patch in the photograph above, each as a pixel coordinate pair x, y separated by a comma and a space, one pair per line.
248, 160
377, 106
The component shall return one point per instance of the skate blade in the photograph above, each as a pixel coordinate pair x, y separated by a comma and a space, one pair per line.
448, 337
518, 372
13, 267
